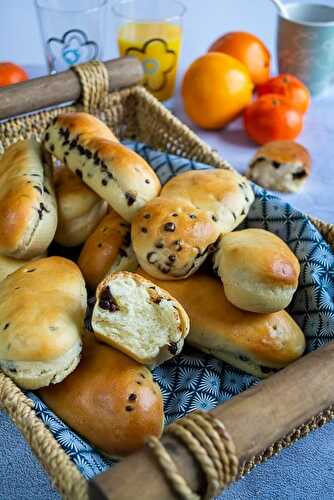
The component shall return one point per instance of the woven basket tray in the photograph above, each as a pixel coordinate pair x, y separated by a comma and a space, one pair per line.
133, 114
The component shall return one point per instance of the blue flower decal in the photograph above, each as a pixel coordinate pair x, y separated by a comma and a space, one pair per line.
73, 48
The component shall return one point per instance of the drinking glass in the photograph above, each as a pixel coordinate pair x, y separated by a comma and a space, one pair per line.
73, 31
151, 31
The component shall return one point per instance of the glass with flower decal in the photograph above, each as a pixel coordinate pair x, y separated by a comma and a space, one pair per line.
73, 31
151, 31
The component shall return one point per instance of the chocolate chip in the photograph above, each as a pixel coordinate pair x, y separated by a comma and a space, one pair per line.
54, 121
109, 174
142, 375
192, 216
247, 199
164, 270
96, 161
234, 216
46, 190
147, 216
130, 198
73, 144
99, 245
30, 270
159, 244
42, 209
170, 227
172, 258
107, 300
89, 154
299, 175
174, 214
243, 358
39, 189
152, 257
52, 148
124, 224
147, 181
66, 142
132, 396
66, 153
47, 136
122, 253
243, 212
214, 218
104, 182
144, 230
173, 348
129, 408
78, 173
6, 326
81, 150
139, 382
276, 164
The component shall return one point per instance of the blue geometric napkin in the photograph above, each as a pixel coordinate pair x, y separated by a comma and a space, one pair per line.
194, 380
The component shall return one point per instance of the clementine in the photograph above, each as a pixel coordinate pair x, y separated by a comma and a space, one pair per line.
290, 87
11, 73
248, 49
272, 117
215, 89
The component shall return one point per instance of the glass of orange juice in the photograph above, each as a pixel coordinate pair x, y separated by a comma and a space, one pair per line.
151, 31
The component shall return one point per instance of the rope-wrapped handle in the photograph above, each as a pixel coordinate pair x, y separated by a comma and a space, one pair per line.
211, 445
94, 81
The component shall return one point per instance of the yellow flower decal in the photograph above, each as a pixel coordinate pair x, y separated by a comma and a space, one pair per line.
158, 60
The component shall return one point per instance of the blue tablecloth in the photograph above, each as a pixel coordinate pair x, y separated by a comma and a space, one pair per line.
305, 471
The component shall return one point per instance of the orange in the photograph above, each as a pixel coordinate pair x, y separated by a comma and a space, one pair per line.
11, 73
215, 89
272, 117
248, 49
290, 87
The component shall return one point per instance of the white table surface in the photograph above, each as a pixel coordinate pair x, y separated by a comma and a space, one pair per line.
20, 475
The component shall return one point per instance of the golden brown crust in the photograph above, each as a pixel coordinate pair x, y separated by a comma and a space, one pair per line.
117, 174
110, 240
84, 123
259, 255
79, 208
286, 152
224, 194
270, 339
172, 238
110, 400
42, 308
26, 201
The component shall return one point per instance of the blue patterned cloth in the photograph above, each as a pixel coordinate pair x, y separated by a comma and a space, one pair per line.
194, 380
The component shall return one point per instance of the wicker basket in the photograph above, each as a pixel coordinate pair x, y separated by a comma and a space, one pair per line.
134, 114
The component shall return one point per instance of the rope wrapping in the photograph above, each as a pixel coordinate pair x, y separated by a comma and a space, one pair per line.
212, 447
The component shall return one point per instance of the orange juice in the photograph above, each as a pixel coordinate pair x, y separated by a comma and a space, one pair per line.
157, 46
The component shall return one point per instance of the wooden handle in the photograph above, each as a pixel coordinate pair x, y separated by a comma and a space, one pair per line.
255, 419
63, 87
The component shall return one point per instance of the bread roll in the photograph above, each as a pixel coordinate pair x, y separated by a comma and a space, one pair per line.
224, 194
28, 212
42, 309
171, 238
79, 208
259, 271
255, 343
107, 250
139, 318
281, 166
117, 174
110, 400
8, 265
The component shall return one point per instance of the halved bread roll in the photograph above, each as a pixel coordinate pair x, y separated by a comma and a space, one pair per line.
139, 318
256, 343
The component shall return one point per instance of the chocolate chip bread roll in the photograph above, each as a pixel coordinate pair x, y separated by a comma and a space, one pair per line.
259, 271
115, 173
79, 208
8, 265
28, 211
110, 400
225, 195
259, 344
42, 309
107, 250
281, 166
172, 238
139, 318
